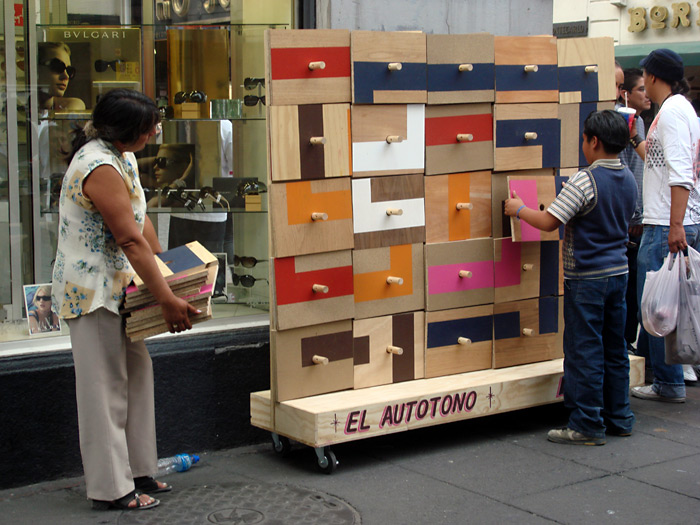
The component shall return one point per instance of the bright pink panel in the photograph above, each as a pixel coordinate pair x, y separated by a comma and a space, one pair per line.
445, 278
507, 270
526, 190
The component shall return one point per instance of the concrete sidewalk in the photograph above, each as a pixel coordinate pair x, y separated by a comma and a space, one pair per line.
496, 469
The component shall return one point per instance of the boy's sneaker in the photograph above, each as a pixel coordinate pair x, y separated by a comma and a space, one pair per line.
648, 392
689, 375
568, 436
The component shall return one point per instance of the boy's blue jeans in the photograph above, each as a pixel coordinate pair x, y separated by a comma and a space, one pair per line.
596, 366
668, 379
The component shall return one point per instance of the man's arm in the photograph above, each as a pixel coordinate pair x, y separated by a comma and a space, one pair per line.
676, 233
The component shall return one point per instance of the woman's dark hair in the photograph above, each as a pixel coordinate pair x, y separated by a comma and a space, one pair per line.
611, 129
120, 115
632, 76
681, 87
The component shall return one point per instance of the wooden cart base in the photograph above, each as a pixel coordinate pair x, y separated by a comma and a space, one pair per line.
323, 420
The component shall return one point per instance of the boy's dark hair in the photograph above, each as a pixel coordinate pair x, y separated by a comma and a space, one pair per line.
611, 129
632, 76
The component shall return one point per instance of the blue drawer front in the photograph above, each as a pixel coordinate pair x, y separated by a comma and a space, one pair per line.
506, 326
575, 78
549, 268
549, 315
510, 134
446, 77
583, 111
514, 78
371, 76
446, 333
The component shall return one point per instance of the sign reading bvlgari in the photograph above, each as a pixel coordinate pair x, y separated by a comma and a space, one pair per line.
660, 17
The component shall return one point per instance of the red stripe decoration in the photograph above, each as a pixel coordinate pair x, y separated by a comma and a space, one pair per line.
293, 62
292, 287
443, 130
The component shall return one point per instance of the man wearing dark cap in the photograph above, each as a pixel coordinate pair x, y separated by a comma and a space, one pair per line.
671, 199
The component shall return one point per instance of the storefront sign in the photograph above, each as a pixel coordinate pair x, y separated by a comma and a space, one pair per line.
19, 15
660, 17
571, 29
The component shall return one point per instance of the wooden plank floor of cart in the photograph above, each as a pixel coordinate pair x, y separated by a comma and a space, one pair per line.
338, 417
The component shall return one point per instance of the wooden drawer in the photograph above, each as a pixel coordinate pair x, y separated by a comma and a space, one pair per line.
536, 193
310, 217
458, 137
528, 331
309, 142
572, 117
460, 68
459, 340
294, 374
388, 140
457, 206
389, 349
526, 69
388, 211
525, 270
528, 136
291, 80
312, 289
388, 67
499, 193
388, 280
586, 69
459, 274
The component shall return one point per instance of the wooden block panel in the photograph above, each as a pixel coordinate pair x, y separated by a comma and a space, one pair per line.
389, 349
312, 289
526, 69
474, 81
388, 140
527, 136
388, 211
499, 193
459, 340
586, 69
528, 331
290, 80
297, 371
388, 67
458, 138
310, 217
457, 206
309, 142
525, 270
536, 193
459, 274
388, 280
572, 117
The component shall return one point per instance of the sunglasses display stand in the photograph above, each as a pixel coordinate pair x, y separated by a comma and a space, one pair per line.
401, 296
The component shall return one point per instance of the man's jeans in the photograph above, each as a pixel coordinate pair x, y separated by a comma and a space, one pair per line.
596, 365
668, 379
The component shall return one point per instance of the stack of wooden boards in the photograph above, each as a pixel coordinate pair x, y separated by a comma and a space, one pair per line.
190, 271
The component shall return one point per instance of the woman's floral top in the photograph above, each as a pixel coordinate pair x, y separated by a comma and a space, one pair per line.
91, 271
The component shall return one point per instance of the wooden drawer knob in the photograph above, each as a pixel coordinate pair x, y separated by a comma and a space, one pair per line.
394, 138
394, 280
318, 216
464, 206
465, 67
591, 69
394, 211
464, 137
527, 267
317, 141
396, 350
394, 66
464, 341
465, 274
319, 360
319, 288
528, 332
531, 68
530, 135
320, 64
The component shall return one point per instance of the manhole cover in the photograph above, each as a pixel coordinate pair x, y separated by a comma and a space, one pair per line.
246, 504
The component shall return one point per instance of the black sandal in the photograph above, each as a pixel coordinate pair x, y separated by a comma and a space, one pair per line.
149, 485
123, 503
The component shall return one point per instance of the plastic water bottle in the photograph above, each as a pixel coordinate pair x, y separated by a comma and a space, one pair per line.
179, 463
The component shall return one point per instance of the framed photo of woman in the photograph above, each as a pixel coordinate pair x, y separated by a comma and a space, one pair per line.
41, 315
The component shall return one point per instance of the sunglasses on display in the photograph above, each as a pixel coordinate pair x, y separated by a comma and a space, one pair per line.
246, 262
190, 96
102, 65
166, 112
253, 82
164, 162
43, 298
246, 281
252, 100
57, 66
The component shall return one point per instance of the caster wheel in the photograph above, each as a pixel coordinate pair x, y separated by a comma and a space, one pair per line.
281, 445
327, 461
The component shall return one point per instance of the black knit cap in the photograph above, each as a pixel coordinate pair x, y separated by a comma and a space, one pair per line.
664, 64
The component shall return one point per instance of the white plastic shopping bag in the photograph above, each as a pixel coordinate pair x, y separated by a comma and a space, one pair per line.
660, 297
683, 344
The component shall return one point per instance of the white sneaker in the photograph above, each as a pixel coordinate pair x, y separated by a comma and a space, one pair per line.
689, 373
